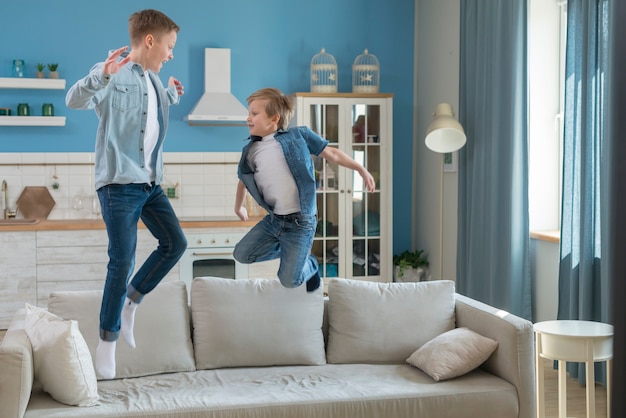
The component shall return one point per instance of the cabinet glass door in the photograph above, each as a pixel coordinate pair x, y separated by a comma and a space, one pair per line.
324, 119
365, 228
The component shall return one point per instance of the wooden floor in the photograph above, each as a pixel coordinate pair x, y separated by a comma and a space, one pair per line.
576, 405
576, 402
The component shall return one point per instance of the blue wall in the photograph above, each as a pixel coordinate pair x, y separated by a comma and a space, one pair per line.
272, 43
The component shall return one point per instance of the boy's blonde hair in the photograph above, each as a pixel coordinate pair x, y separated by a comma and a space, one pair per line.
277, 104
147, 22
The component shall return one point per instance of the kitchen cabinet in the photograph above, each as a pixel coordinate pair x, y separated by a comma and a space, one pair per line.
32, 83
354, 231
49, 258
18, 275
77, 260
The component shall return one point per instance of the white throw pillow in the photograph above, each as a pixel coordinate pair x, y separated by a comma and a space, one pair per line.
62, 361
453, 353
162, 329
256, 322
374, 322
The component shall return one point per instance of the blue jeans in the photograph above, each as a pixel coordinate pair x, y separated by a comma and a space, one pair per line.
289, 237
122, 207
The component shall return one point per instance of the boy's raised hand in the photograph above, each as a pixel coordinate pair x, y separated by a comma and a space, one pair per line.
172, 82
112, 65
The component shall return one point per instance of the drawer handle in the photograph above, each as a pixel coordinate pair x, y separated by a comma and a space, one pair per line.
205, 254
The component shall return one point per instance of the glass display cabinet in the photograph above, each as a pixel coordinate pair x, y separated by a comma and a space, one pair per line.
354, 231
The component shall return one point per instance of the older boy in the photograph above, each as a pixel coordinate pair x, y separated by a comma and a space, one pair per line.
133, 108
277, 169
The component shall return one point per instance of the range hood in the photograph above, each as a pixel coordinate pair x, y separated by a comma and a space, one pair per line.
217, 106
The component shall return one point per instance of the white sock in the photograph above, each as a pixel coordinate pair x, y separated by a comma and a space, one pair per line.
128, 321
105, 359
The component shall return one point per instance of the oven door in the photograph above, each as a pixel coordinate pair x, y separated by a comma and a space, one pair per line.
215, 262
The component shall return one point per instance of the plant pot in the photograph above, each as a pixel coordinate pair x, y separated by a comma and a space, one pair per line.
420, 274
54, 74
40, 74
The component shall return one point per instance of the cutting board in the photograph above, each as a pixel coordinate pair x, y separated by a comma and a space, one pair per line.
35, 202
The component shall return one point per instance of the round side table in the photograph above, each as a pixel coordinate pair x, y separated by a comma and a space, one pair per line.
575, 341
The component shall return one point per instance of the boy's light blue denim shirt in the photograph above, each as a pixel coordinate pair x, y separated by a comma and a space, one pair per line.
298, 144
121, 104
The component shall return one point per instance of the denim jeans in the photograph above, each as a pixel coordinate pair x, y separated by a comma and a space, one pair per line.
289, 237
122, 207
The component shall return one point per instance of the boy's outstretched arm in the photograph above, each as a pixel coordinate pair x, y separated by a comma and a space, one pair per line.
240, 208
339, 157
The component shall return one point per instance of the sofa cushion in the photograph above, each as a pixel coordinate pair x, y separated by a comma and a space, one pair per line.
162, 329
255, 322
62, 361
453, 353
374, 322
17, 375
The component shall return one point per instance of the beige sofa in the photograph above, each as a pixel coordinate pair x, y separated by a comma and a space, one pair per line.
251, 348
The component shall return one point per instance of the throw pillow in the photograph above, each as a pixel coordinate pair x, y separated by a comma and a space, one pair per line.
162, 329
62, 361
256, 322
453, 353
374, 322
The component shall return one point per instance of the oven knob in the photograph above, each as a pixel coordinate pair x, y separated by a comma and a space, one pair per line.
198, 241
227, 241
212, 241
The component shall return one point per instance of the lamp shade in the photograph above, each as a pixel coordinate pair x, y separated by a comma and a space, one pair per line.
445, 133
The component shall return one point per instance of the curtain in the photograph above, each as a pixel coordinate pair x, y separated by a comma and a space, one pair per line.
493, 262
583, 278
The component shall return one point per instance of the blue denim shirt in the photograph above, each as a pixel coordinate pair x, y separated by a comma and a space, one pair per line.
121, 104
298, 144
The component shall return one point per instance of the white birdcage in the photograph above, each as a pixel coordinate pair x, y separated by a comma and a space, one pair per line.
365, 73
323, 73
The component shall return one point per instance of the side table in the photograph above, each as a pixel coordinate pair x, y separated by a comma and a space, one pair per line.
575, 341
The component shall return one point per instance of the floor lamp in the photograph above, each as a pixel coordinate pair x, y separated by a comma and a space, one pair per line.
444, 134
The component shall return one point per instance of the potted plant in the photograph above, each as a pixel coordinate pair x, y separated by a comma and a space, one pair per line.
40, 68
411, 266
53, 70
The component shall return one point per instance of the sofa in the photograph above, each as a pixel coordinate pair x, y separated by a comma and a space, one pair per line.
252, 348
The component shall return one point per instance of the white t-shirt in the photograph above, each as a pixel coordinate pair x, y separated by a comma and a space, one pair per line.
152, 127
273, 177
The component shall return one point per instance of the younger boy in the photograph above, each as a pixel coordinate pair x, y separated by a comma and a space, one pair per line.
276, 168
133, 108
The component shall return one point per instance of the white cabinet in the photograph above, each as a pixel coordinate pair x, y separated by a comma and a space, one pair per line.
77, 260
354, 233
18, 275
32, 83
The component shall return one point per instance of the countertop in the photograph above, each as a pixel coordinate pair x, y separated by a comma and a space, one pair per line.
79, 224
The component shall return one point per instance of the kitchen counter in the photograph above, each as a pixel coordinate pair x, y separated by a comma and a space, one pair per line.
83, 224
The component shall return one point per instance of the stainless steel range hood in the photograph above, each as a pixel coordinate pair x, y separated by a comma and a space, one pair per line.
217, 106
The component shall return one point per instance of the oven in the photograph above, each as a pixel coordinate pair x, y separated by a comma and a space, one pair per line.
211, 254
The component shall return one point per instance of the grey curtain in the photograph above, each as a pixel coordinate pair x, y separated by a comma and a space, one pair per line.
583, 278
493, 263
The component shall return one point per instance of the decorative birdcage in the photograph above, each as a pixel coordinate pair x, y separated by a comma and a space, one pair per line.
365, 73
323, 73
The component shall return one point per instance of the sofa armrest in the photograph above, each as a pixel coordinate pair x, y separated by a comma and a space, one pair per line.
16, 363
514, 358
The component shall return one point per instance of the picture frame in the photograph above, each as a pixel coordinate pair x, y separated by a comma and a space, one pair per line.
450, 161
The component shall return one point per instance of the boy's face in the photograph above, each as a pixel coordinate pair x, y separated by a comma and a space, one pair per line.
160, 50
259, 122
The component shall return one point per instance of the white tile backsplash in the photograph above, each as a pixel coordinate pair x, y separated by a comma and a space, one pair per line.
206, 182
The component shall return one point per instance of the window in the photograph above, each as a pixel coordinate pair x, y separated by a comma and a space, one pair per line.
546, 58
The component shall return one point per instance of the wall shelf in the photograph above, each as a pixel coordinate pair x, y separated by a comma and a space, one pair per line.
32, 83
32, 120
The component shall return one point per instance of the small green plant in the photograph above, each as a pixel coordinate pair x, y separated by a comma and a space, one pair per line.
40, 67
410, 259
53, 67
